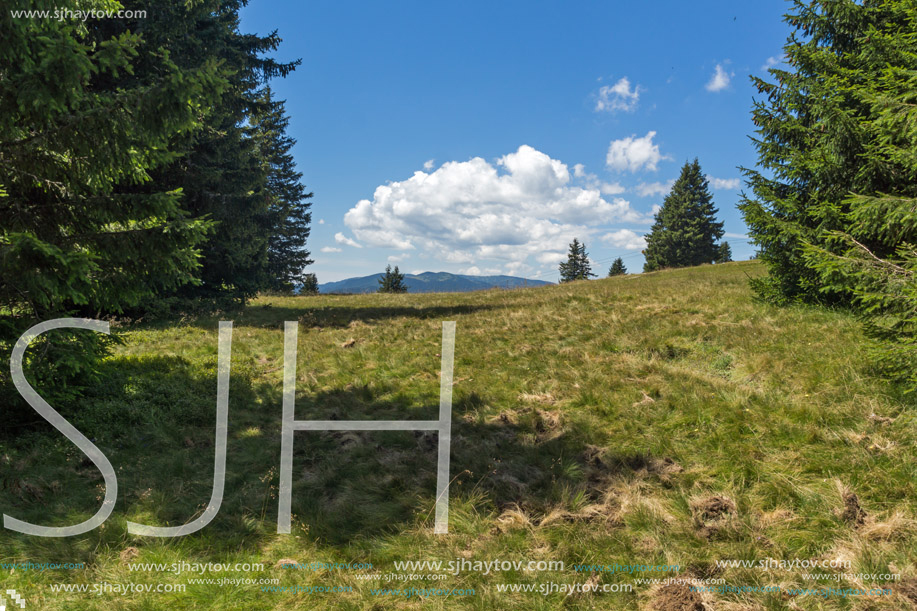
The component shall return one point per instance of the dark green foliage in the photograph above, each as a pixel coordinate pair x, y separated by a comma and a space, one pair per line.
686, 230
392, 281
723, 253
309, 285
617, 268
221, 170
837, 217
872, 255
577, 266
810, 140
143, 166
289, 209
83, 228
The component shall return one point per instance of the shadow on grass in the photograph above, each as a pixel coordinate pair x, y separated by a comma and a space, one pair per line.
154, 419
327, 316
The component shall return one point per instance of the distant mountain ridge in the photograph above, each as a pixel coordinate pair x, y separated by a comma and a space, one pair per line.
431, 282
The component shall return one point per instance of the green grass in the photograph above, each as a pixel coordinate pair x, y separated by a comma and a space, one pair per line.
591, 424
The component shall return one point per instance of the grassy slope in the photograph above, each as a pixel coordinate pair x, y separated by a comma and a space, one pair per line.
590, 420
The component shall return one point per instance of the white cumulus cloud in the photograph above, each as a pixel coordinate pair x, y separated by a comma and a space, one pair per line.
340, 238
720, 79
523, 205
619, 96
625, 238
634, 153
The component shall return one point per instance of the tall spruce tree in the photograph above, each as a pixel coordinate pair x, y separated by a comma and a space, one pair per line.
220, 170
288, 206
392, 281
686, 230
818, 139
617, 268
863, 196
84, 228
577, 266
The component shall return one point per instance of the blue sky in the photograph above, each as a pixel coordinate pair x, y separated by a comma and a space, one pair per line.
481, 137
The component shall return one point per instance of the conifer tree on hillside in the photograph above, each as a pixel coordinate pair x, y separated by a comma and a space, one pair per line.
617, 268
134, 171
724, 253
834, 210
834, 205
392, 281
825, 131
686, 230
87, 115
288, 208
220, 170
577, 266
309, 285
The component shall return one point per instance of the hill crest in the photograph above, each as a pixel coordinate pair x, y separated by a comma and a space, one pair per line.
431, 282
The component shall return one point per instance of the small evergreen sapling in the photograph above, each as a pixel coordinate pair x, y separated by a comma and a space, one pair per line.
309, 285
617, 268
392, 281
724, 253
577, 266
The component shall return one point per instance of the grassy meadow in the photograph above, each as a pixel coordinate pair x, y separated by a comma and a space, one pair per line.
662, 418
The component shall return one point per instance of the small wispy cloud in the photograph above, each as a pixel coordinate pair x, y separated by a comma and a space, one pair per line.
340, 238
771, 62
593, 182
645, 189
428, 164
611, 188
724, 183
331, 249
619, 96
474, 270
720, 79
